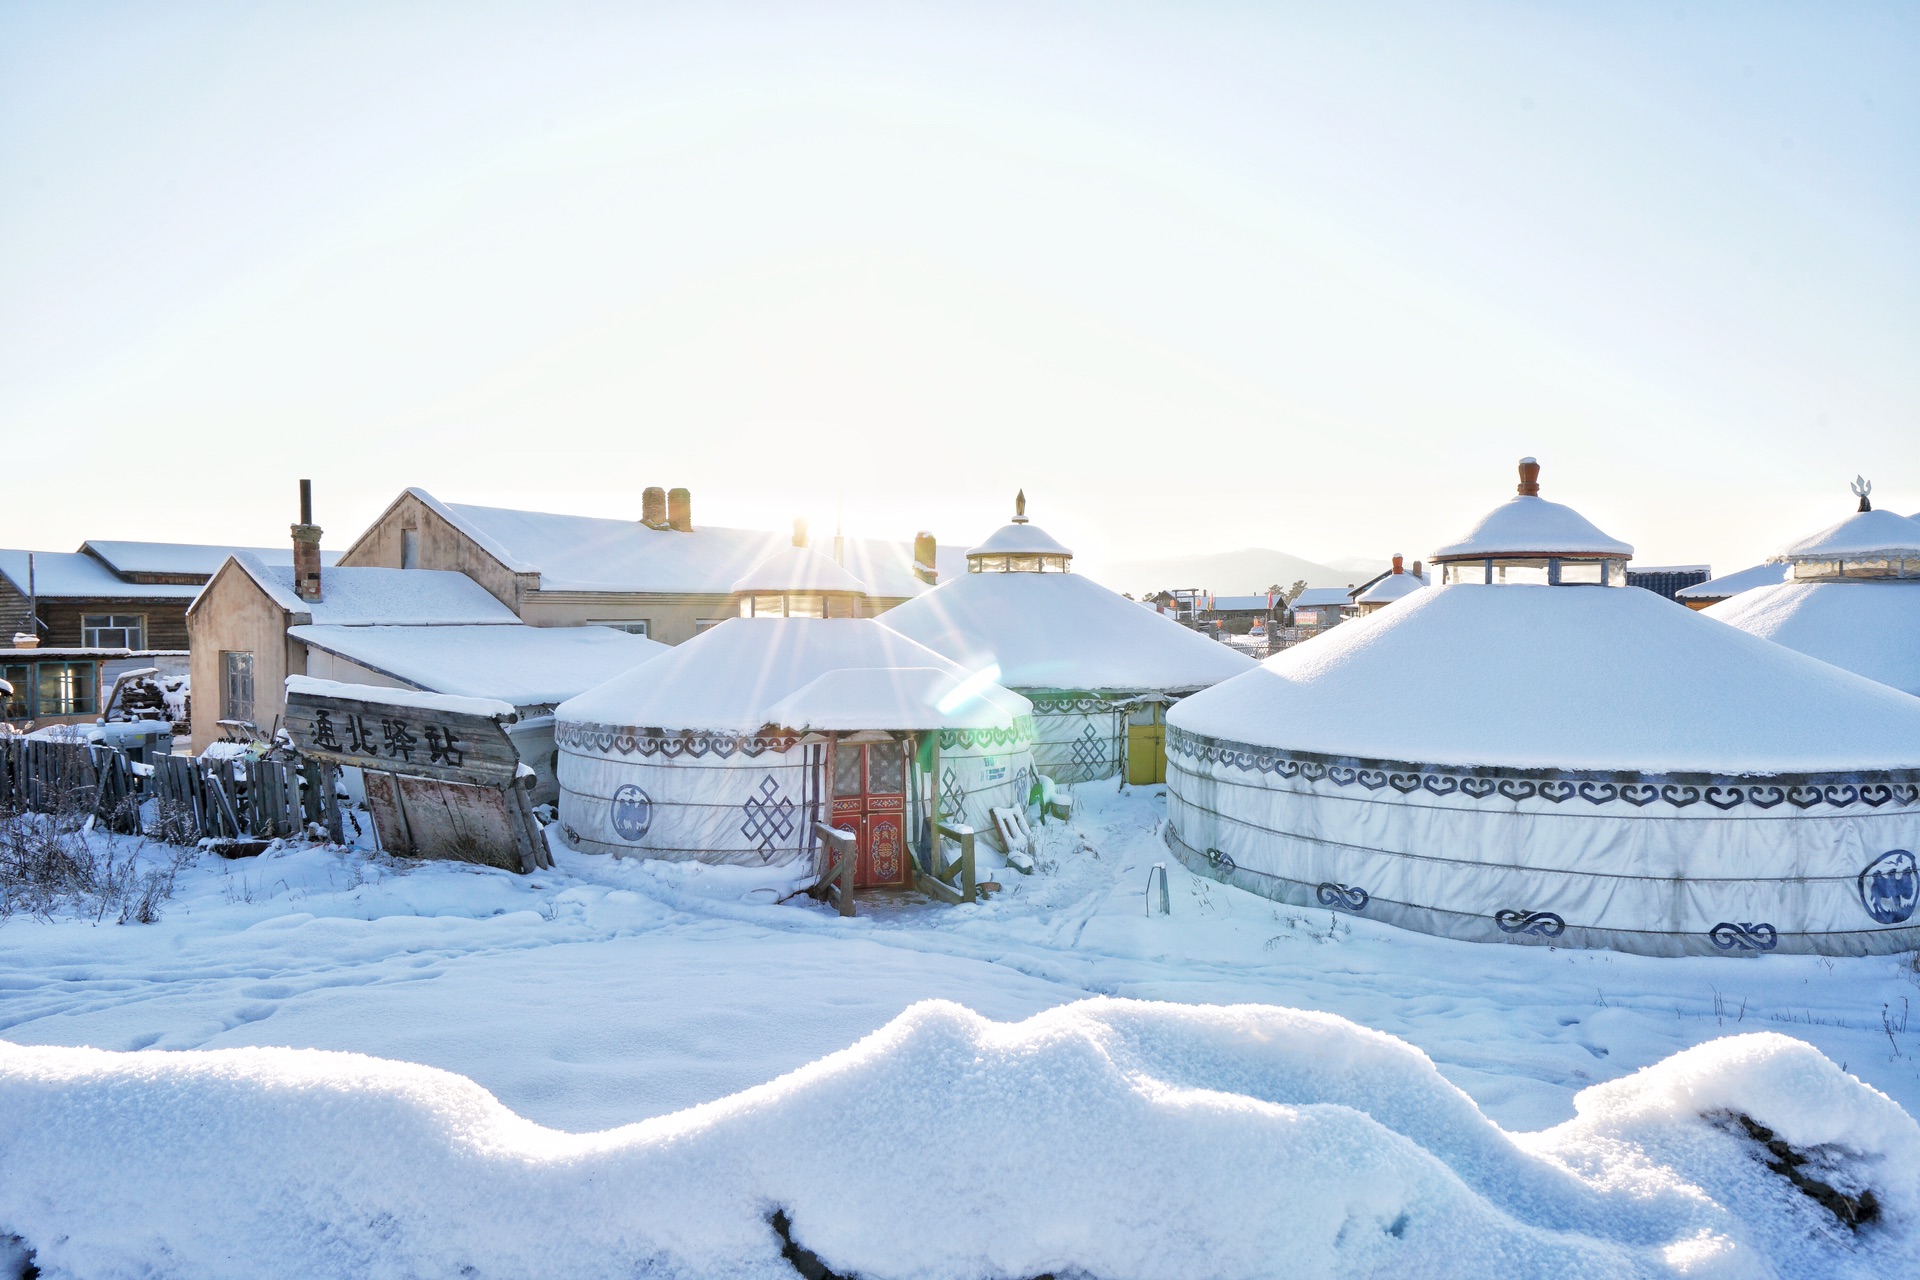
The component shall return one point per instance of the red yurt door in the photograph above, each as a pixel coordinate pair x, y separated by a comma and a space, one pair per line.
870, 799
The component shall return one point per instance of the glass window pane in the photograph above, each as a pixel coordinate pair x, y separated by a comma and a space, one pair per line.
885, 764
846, 769
1581, 571
19, 703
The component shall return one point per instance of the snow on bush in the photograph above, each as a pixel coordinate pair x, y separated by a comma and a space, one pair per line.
1108, 1138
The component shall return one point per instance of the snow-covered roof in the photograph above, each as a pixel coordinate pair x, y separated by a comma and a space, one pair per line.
1529, 526
1238, 604
184, 557
597, 553
420, 700
358, 596
1321, 598
1061, 631
1552, 677
1869, 627
1732, 584
1393, 586
1018, 538
72, 575
527, 666
1865, 535
798, 569
901, 698
730, 677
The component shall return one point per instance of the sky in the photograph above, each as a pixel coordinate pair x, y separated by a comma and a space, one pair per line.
1195, 276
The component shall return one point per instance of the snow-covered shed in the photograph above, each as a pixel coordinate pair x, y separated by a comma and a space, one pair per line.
733, 745
1540, 783
1850, 595
1395, 584
662, 575
532, 669
1089, 659
240, 627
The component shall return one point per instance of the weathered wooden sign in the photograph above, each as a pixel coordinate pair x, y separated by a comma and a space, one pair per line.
440, 781
427, 742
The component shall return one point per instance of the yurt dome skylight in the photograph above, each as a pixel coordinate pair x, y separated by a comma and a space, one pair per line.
1019, 547
1867, 544
1528, 540
799, 582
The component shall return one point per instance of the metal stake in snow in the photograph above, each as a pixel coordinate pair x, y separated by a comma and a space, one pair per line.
1166, 904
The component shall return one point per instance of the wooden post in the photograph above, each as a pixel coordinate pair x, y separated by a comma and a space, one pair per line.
330, 803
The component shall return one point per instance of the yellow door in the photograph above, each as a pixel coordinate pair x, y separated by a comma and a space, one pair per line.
1146, 754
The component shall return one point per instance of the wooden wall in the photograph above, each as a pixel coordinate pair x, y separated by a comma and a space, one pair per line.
60, 617
442, 546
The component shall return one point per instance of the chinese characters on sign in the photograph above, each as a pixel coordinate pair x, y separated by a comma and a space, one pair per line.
389, 738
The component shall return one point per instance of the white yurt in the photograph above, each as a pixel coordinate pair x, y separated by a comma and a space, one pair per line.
1396, 584
1532, 751
1851, 596
747, 735
1090, 660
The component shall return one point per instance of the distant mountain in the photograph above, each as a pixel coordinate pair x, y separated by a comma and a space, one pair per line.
1246, 572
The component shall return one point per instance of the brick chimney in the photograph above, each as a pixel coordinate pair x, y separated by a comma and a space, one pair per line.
799, 531
925, 556
680, 510
1399, 564
1419, 569
306, 548
653, 507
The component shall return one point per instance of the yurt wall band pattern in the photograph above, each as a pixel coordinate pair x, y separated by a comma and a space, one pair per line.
1662, 864
1078, 737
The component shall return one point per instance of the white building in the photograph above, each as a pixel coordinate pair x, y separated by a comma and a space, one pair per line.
1540, 782
1850, 596
1093, 662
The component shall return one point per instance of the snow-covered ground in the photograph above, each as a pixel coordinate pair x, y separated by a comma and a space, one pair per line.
607, 992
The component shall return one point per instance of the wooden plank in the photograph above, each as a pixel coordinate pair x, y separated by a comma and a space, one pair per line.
389, 820
463, 823
450, 746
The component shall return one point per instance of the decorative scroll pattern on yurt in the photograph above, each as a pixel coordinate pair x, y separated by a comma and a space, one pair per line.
1800, 791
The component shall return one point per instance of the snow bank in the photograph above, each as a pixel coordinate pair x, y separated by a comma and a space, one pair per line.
1111, 1138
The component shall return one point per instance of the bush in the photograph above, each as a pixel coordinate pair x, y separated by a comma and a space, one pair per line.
52, 864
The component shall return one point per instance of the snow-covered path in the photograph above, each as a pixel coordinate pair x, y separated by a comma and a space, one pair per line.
606, 992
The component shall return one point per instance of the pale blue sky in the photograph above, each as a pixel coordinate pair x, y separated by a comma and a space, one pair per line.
1198, 277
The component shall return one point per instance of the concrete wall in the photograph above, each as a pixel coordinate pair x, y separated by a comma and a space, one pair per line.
234, 614
442, 546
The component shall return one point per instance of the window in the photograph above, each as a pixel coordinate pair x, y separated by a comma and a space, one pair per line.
409, 548
632, 626
18, 704
113, 630
66, 689
706, 624
236, 693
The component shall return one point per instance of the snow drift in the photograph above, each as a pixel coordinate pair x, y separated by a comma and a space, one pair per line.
1108, 1138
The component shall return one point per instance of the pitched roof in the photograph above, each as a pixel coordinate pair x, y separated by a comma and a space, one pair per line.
71, 575
364, 596
597, 553
1732, 584
523, 665
1321, 597
183, 557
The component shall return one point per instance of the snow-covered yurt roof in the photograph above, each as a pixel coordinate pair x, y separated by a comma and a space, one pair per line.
1019, 538
1396, 585
1865, 535
912, 698
1056, 630
1527, 525
1581, 677
798, 569
1869, 628
527, 666
733, 676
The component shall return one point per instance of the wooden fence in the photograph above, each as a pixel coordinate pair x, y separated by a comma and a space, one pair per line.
198, 798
